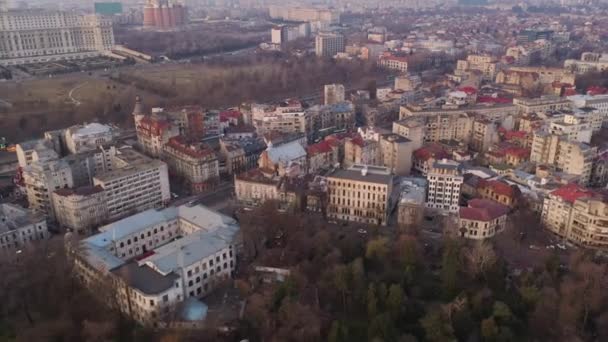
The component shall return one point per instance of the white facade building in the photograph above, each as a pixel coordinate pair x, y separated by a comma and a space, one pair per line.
445, 181
82, 138
32, 36
135, 184
182, 253
19, 227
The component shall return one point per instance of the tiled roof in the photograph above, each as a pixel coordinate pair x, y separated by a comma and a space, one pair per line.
320, 147
571, 192
498, 187
483, 210
430, 151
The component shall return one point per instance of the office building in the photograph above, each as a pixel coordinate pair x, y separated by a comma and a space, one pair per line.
32, 36
136, 183
445, 181
328, 44
360, 194
589, 62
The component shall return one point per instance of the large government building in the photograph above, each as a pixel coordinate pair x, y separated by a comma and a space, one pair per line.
31, 36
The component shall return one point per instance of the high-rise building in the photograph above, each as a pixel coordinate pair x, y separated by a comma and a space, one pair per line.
328, 44
445, 180
30, 36
165, 14
333, 93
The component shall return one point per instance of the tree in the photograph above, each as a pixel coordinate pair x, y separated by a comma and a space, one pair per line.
450, 270
395, 298
489, 329
372, 302
437, 328
338, 332
480, 257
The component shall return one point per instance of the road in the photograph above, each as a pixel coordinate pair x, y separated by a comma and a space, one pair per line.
219, 199
71, 94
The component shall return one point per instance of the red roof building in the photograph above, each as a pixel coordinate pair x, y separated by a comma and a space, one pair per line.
482, 219
571, 192
499, 191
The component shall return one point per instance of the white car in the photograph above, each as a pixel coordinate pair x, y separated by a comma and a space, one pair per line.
561, 246
550, 247
362, 231
536, 248
332, 222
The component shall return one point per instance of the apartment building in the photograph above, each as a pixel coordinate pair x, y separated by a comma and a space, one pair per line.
181, 253
574, 128
333, 93
482, 219
135, 184
288, 117
568, 156
153, 133
499, 191
484, 135
445, 181
324, 120
41, 178
413, 129
597, 102
33, 36
360, 151
80, 209
448, 127
360, 194
487, 65
329, 44
546, 103
304, 14
322, 156
195, 162
396, 154
19, 227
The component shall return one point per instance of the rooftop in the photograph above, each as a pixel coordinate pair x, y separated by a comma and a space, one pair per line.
145, 279
364, 173
81, 191
571, 192
483, 210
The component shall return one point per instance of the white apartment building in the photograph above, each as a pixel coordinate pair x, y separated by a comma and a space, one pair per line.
35, 150
394, 63
135, 184
445, 181
578, 215
573, 128
333, 93
82, 209
41, 178
19, 227
31, 36
597, 102
328, 44
182, 253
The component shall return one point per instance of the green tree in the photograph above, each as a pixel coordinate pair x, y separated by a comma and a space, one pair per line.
502, 312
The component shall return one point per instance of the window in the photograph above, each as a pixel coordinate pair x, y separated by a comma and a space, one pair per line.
151, 302
198, 279
190, 283
225, 265
165, 298
189, 273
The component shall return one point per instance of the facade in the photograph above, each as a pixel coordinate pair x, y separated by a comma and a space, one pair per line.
393, 62
82, 209
396, 154
41, 178
445, 180
153, 133
487, 65
284, 159
500, 192
254, 188
360, 194
546, 103
135, 184
183, 253
578, 215
482, 219
328, 44
589, 62
304, 14
484, 135
360, 151
322, 156
333, 93
288, 117
194, 162
19, 227
31, 36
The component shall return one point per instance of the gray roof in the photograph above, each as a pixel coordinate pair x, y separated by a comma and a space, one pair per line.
356, 175
145, 279
191, 249
286, 152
